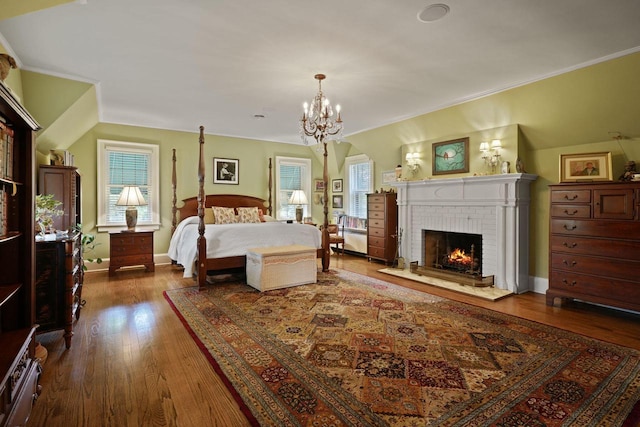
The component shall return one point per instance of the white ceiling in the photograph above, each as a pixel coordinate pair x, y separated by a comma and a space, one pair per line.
178, 64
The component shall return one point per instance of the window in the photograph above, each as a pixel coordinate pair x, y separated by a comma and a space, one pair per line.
127, 163
359, 177
292, 173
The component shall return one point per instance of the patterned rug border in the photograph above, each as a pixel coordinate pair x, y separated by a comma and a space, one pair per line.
631, 408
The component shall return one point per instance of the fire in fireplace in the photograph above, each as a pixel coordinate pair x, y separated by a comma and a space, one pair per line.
452, 255
460, 252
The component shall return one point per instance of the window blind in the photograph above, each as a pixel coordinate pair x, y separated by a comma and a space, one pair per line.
127, 168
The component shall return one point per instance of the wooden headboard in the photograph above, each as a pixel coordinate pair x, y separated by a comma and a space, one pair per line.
190, 207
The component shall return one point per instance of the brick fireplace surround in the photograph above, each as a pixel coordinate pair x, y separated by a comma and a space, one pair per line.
495, 206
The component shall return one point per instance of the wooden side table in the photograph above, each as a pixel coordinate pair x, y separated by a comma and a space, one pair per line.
129, 248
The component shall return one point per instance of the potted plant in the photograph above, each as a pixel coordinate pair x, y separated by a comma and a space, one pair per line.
46, 210
88, 245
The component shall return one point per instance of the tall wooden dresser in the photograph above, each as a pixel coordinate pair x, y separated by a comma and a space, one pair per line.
59, 279
382, 230
594, 243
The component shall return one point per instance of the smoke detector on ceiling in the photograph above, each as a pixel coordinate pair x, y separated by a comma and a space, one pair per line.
433, 12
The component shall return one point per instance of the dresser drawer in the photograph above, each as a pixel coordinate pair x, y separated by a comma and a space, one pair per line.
622, 249
136, 259
377, 241
375, 198
376, 232
571, 211
373, 215
375, 252
573, 196
375, 206
606, 267
131, 244
608, 229
576, 283
376, 223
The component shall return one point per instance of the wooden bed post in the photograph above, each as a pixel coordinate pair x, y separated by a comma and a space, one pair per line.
326, 252
174, 208
202, 242
270, 185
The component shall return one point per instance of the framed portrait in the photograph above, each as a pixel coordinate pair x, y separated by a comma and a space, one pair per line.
585, 167
226, 171
450, 156
337, 202
318, 185
388, 177
336, 185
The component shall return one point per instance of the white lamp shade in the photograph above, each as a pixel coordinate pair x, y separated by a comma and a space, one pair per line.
496, 143
298, 198
484, 146
131, 196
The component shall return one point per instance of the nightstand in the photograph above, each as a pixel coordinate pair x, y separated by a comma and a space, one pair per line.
129, 248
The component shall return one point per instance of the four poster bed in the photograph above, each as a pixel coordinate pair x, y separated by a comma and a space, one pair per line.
201, 246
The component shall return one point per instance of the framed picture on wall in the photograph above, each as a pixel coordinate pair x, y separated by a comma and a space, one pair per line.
226, 171
318, 185
450, 156
585, 167
336, 185
337, 202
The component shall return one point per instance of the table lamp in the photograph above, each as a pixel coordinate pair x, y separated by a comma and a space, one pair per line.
131, 197
298, 198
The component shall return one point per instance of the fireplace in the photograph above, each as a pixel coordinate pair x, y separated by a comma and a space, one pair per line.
452, 251
495, 207
452, 256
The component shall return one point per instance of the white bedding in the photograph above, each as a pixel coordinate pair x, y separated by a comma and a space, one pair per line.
225, 240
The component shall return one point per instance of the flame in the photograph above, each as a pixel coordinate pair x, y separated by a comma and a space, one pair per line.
458, 256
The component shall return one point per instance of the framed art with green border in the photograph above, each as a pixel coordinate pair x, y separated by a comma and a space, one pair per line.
450, 156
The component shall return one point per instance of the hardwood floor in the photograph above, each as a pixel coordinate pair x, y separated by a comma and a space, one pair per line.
132, 363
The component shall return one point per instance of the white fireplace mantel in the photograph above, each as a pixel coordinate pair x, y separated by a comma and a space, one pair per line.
495, 206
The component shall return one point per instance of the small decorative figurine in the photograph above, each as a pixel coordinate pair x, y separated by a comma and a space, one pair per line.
629, 171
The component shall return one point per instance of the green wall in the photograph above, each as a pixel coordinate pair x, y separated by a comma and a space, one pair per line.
253, 164
575, 112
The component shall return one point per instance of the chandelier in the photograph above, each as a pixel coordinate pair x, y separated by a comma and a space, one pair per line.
317, 118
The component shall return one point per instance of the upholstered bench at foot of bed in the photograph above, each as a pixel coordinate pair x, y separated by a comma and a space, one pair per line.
281, 266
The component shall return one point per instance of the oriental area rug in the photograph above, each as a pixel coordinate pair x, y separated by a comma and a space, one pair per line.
356, 351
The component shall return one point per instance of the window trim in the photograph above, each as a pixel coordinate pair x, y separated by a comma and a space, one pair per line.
104, 146
306, 184
348, 162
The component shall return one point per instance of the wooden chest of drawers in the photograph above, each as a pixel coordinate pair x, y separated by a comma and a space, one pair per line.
594, 243
131, 248
59, 280
382, 229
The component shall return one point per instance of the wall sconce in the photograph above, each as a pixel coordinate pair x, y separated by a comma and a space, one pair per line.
491, 154
412, 162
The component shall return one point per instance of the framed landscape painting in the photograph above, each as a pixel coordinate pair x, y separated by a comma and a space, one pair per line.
450, 156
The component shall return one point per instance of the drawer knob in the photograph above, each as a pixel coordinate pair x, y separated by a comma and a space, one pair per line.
570, 227
566, 282
572, 263
570, 245
567, 197
566, 211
